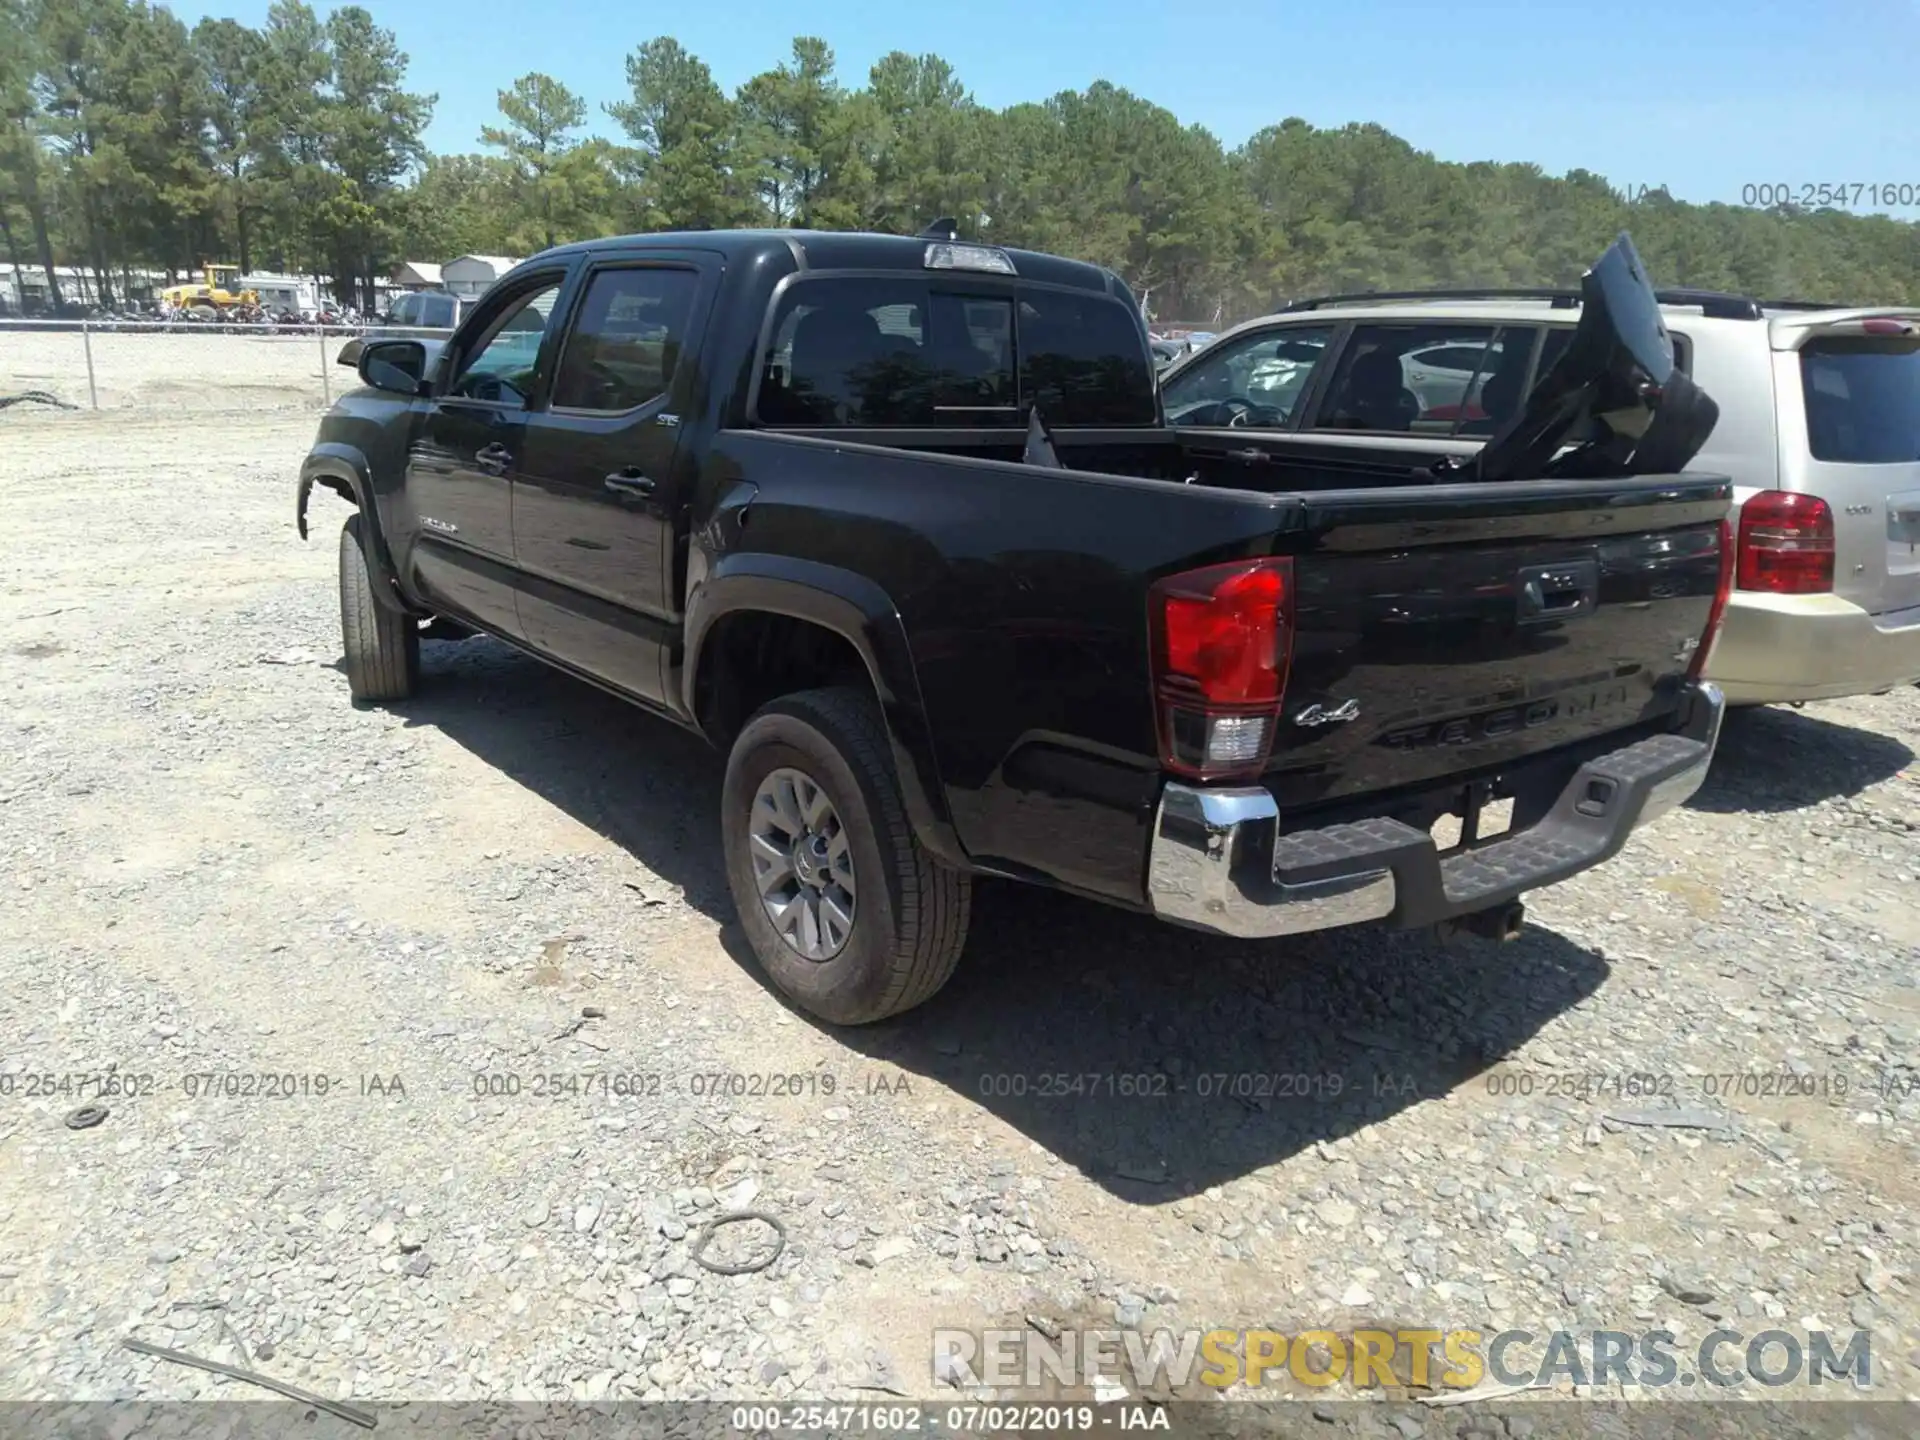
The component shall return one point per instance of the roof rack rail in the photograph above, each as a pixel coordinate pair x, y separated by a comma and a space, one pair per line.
1563, 299
1716, 303
1712, 302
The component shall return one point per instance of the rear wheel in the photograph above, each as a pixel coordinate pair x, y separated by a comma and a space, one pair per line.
845, 911
382, 648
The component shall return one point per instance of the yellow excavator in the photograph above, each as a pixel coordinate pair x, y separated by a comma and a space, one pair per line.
216, 292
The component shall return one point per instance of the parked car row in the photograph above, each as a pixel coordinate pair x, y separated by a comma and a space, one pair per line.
1169, 348
1819, 430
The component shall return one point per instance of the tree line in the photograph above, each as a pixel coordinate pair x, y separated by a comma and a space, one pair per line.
127, 139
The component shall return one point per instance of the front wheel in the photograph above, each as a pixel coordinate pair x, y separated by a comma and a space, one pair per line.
382, 648
846, 912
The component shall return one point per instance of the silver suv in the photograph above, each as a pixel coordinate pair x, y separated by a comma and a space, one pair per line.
1819, 429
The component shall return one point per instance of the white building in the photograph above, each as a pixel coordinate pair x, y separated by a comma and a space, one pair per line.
473, 274
417, 275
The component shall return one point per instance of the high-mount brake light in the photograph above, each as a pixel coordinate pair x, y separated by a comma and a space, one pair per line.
1786, 544
1222, 642
1886, 325
945, 255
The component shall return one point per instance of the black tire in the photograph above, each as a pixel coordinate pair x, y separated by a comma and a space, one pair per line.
911, 912
383, 649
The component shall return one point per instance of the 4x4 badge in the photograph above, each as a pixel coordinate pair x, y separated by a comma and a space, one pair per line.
1321, 715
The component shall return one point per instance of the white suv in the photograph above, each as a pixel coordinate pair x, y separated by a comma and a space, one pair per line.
1819, 429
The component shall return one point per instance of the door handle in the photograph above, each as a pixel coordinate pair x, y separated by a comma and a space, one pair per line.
630, 481
494, 458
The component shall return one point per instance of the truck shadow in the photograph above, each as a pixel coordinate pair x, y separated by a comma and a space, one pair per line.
1772, 759
646, 784
1158, 1062
1155, 1061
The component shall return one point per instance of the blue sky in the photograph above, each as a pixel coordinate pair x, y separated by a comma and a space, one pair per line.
1704, 96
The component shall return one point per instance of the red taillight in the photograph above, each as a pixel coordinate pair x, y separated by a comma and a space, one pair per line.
1222, 639
1722, 591
1786, 544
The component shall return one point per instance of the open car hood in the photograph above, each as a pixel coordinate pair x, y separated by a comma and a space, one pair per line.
1615, 395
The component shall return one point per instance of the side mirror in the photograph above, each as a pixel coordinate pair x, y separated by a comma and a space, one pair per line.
396, 365
350, 352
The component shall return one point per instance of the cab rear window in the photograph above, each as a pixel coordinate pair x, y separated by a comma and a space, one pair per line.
1863, 400
906, 351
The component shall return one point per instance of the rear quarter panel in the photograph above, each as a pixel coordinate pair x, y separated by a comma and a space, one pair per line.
1731, 361
1022, 593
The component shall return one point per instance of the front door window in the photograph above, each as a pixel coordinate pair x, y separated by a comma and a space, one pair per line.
1252, 380
500, 366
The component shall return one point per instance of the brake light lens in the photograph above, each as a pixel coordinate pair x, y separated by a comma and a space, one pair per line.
1786, 544
1722, 592
1222, 642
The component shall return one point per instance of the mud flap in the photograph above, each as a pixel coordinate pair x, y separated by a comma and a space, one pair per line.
386, 585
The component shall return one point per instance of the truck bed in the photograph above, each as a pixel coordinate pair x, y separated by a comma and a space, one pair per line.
1265, 464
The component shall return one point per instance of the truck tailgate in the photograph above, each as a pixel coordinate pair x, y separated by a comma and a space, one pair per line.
1446, 631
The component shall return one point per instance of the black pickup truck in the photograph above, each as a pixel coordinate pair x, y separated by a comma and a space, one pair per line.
897, 523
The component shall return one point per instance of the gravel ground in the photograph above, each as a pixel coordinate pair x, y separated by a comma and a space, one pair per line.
211, 864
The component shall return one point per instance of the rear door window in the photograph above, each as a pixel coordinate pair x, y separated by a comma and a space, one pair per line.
1559, 336
626, 339
1863, 400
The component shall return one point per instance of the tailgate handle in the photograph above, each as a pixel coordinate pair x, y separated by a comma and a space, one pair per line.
1558, 592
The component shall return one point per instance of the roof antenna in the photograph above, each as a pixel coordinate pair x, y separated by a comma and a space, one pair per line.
945, 228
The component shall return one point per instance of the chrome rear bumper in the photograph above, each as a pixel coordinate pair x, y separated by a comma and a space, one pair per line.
1218, 861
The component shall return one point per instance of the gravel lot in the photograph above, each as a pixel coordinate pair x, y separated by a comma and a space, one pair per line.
236, 373
211, 864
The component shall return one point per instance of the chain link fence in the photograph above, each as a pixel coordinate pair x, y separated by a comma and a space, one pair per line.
175, 366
